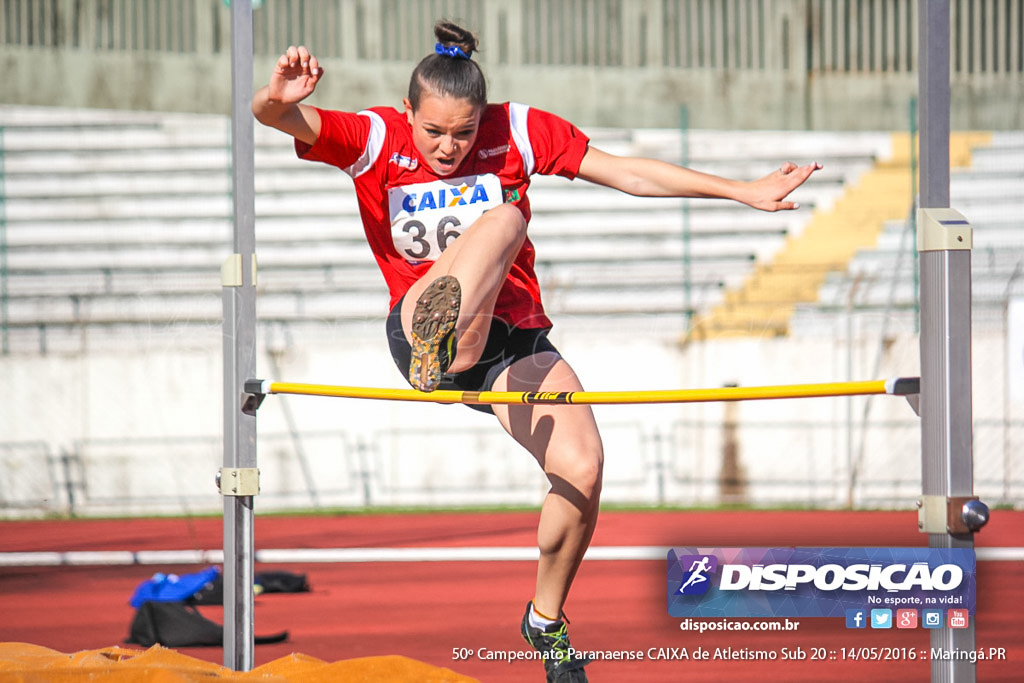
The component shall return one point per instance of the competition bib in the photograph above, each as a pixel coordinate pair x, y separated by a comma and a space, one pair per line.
426, 217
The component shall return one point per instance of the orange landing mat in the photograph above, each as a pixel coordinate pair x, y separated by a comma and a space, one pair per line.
21, 662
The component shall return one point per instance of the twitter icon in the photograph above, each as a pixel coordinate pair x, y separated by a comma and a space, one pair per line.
881, 618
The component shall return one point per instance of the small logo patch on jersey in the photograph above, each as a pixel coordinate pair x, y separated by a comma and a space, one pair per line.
404, 161
493, 152
510, 195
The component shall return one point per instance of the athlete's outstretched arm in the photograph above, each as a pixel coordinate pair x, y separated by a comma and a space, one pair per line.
653, 178
277, 104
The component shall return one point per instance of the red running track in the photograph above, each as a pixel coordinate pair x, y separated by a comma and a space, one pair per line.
428, 610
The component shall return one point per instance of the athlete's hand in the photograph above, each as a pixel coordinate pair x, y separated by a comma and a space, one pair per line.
295, 76
769, 193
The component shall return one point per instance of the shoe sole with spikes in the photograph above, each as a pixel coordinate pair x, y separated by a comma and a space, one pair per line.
433, 332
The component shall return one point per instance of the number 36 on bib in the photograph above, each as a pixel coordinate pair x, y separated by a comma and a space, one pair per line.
426, 217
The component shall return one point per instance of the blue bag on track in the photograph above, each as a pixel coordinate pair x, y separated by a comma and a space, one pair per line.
172, 587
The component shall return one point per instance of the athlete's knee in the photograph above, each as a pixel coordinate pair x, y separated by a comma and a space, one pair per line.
581, 466
510, 220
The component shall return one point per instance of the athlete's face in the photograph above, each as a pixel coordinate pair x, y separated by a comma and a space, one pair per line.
443, 130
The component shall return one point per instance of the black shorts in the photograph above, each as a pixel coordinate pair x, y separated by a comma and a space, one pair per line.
506, 344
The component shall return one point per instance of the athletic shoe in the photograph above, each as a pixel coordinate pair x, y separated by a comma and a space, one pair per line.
433, 332
553, 642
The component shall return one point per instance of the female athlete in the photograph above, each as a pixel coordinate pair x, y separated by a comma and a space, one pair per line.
442, 190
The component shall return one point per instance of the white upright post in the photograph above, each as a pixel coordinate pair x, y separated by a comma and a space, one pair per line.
944, 246
239, 479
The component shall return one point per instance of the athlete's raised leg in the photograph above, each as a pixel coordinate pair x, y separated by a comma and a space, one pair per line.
479, 260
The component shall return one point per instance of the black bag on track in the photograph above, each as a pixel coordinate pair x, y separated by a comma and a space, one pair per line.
266, 582
175, 624
282, 582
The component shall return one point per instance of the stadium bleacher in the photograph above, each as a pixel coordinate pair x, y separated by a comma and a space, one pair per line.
123, 218
990, 194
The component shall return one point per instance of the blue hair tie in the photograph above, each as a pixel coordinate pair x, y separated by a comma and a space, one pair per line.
450, 51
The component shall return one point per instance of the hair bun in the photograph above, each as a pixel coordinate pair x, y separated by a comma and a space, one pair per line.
452, 38
450, 72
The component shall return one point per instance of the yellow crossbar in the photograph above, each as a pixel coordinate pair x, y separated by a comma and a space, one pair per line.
900, 386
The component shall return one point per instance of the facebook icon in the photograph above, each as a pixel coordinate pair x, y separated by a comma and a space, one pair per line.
856, 618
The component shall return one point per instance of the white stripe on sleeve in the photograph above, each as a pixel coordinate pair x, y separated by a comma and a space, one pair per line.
374, 144
517, 114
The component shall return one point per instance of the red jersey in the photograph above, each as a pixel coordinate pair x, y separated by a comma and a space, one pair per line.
410, 214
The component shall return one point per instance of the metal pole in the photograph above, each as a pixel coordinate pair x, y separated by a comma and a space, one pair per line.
684, 129
913, 212
5, 341
238, 479
1010, 361
945, 256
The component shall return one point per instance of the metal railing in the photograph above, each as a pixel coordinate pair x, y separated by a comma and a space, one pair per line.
736, 64
853, 36
677, 464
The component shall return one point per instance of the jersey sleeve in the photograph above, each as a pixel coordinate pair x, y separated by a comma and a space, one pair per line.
558, 146
342, 140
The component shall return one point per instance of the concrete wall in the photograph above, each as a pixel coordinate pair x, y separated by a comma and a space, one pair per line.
141, 427
589, 96
748, 64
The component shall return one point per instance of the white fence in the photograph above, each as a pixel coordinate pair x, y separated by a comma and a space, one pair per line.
863, 36
135, 431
